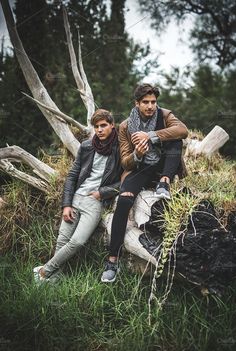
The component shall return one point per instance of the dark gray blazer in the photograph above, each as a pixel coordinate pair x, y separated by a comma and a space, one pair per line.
81, 170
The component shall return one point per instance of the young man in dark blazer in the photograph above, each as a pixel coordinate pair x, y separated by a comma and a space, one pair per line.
91, 184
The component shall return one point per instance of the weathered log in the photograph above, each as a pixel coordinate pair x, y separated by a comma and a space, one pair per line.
8, 167
80, 76
141, 212
60, 115
212, 142
38, 167
131, 242
54, 116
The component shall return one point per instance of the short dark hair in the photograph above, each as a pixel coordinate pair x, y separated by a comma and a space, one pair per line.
145, 89
101, 114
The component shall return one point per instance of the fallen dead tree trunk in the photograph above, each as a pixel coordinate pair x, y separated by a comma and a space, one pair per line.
35, 85
16, 153
57, 119
139, 215
212, 142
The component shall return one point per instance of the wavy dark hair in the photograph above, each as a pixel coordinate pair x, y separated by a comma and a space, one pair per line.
145, 89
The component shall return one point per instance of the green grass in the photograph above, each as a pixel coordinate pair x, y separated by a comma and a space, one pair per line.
80, 313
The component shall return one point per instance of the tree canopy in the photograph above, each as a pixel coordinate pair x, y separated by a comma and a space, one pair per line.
205, 102
214, 32
108, 56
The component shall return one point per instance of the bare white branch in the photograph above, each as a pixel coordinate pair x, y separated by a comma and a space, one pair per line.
7, 167
39, 92
80, 76
88, 91
17, 153
62, 116
211, 144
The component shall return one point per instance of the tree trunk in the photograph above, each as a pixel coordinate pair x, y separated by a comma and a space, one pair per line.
35, 85
16, 153
210, 144
139, 214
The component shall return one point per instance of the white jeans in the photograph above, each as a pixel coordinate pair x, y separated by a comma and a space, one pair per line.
88, 211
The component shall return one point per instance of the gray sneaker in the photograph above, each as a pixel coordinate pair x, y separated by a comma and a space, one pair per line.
110, 272
163, 190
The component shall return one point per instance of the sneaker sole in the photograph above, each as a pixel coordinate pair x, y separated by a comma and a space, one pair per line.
162, 196
103, 280
37, 278
107, 280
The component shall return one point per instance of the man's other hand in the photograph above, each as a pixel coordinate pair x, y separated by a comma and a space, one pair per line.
68, 214
96, 195
141, 148
139, 136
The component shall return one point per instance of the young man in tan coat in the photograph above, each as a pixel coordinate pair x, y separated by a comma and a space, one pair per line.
151, 147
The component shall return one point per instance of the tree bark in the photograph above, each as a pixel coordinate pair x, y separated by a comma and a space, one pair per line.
80, 76
139, 214
7, 167
40, 168
210, 144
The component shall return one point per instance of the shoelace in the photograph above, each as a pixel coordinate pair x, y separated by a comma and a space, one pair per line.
111, 266
164, 185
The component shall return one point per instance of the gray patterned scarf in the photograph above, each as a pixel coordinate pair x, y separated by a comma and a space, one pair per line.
135, 122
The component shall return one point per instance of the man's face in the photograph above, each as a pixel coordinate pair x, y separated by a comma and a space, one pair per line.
103, 129
147, 105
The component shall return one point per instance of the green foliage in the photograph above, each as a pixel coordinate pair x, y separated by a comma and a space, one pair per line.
109, 59
213, 179
205, 102
28, 222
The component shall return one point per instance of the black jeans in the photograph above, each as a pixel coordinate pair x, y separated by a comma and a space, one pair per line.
136, 181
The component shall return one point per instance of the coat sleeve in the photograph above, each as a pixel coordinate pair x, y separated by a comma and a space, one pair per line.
71, 181
112, 186
126, 149
109, 191
174, 128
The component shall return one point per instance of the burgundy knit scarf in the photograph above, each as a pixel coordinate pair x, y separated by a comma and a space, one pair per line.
105, 147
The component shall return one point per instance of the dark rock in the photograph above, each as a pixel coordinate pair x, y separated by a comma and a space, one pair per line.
231, 222
206, 252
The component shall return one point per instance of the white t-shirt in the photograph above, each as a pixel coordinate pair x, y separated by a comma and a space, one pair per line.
93, 182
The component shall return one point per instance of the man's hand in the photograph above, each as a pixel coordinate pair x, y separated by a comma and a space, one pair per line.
68, 214
96, 194
139, 136
141, 148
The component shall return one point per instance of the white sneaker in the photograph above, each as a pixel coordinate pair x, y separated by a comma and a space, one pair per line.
37, 276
